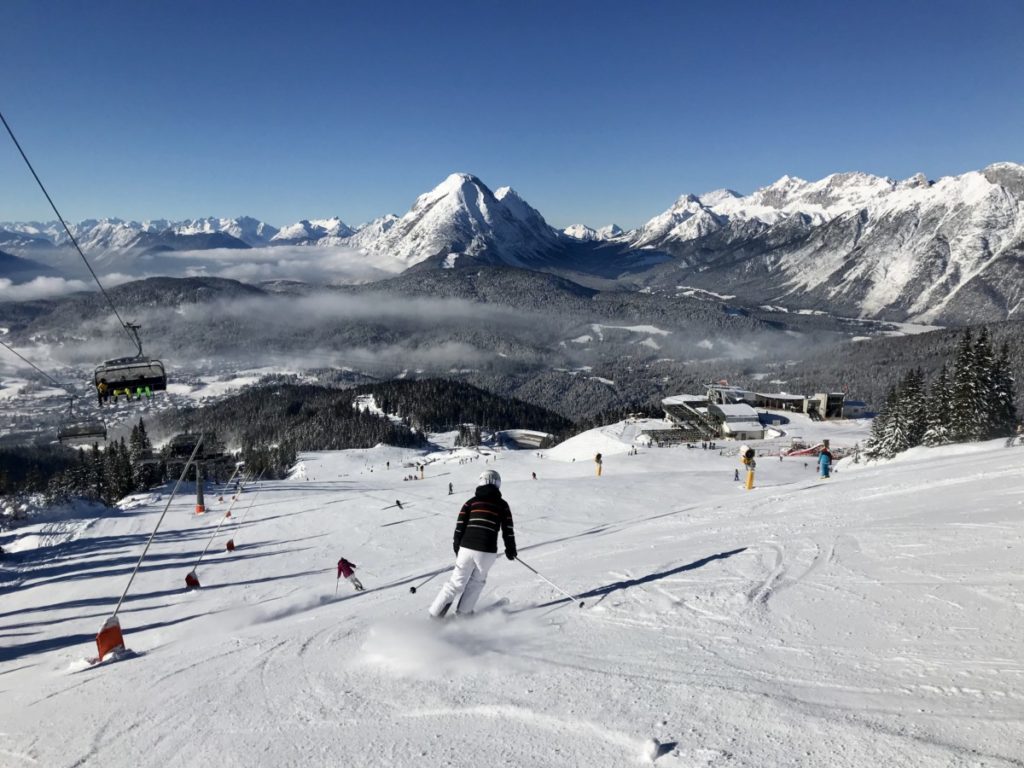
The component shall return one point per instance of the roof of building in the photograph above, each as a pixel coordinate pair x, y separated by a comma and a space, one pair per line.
743, 426
781, 396
682, 399
734, 410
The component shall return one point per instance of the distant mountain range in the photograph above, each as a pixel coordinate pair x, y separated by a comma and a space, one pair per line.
945, 251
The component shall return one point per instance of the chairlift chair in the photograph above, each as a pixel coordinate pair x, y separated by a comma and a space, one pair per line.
180, 447
133, 374
80, 431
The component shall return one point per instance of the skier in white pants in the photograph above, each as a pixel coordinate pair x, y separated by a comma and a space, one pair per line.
476, 546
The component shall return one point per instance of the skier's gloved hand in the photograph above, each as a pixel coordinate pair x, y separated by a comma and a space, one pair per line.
510, 554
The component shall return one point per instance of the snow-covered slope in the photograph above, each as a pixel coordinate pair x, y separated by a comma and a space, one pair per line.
870, 620
952, 250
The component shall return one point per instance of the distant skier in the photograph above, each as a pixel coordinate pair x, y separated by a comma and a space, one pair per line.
451, 489
347, 569
735, 474
476, 545
398, 504
825, 460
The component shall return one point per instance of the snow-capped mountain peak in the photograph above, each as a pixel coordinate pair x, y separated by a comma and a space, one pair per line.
585, 233
247, 229
580, 232
462, 216
309, 231
716, 196
860, 244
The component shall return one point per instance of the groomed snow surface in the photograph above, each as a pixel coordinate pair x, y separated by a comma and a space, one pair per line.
873, 619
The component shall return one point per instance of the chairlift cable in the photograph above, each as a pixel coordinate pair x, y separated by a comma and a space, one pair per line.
125, 326
40, 370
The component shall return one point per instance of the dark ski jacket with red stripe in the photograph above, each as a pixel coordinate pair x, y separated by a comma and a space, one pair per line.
481, 518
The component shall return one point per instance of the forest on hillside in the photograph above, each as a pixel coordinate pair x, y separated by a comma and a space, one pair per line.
314, 418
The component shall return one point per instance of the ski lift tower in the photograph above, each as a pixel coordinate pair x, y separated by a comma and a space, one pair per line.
212, 457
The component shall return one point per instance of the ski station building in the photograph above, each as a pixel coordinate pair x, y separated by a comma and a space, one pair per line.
820, 406
525, 438
728, 413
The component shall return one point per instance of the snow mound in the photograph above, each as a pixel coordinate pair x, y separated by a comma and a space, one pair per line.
608, 440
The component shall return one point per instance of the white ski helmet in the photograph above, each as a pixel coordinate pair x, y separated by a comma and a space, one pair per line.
490, 477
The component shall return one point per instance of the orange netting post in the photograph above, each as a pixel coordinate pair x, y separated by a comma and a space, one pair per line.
109, 638
200, 502
192, 579
230, 545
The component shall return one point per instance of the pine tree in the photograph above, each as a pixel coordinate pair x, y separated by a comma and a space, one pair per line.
895, 437
985, 386
912, 407
964, 420
97, 477
938, 410
873, 447
1004, 395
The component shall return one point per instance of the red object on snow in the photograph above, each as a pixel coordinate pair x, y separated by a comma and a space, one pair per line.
109, 638
192, 581
345, 568
230, 546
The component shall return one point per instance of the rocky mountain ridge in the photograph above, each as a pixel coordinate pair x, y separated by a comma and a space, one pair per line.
944, 251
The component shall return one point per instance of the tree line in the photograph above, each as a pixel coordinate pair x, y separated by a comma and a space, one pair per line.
60, 473
970, 399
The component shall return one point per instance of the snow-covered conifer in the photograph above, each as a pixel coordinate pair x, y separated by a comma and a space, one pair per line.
874, 447
964, 419
985, 395
912, 407
1003, 407
938, 410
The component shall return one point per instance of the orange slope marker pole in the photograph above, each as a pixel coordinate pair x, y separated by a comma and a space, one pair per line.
192, 579
220, 496
110, 638
230, 544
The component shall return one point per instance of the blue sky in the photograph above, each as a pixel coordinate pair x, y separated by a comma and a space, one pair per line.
593, 111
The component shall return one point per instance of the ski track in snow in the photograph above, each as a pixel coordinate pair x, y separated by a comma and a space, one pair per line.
871, 619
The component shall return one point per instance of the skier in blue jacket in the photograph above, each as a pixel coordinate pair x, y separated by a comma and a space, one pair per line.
825, 460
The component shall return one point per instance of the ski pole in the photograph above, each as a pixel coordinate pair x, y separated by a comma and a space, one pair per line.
429, 578
575, 600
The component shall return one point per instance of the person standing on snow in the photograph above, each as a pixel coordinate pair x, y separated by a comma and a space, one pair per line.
825, 460
346, 569
476, 546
